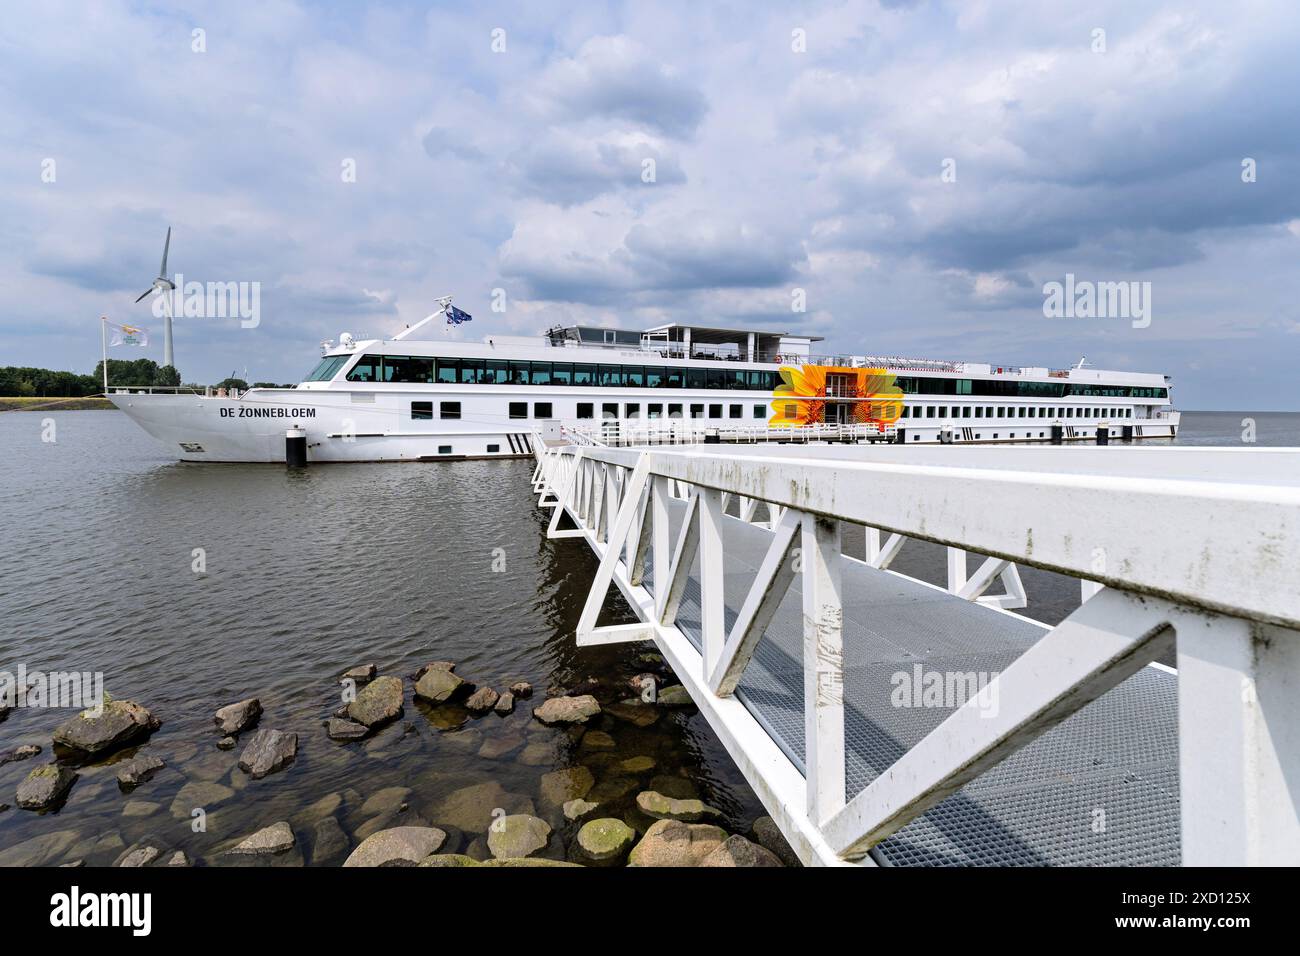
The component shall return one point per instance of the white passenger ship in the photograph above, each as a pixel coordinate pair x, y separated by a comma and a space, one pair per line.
408, 399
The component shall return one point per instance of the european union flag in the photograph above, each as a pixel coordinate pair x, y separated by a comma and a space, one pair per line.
455, 316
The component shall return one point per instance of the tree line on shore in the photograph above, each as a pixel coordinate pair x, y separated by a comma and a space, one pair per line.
23, 382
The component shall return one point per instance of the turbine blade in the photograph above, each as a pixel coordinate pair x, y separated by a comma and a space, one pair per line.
162, 272
144, 293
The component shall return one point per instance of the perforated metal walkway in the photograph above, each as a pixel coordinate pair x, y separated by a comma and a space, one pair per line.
1100, 789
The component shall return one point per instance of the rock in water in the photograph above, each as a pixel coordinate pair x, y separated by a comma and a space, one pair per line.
433, 666
45, 787
380, 702
234, 718
768, 835
634, 711
737, 851
198, 795
267, 752
137, 855
277, 838
481, 701
19, 753
437, 686
675, 696
561, 786
578, 808
655, 804
400, 846
119, 723
337, 729
522, 689
449, 859
178, 859
567, 710
226, 743
330, 844
674, 843
136, 771
517, 836
505, 704
361, 674
606, 840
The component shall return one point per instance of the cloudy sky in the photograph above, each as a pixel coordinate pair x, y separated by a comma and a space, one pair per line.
919, 170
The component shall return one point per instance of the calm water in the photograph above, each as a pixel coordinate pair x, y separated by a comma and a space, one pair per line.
309, 573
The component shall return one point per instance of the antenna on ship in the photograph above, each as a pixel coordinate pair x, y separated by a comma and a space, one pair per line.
164, 286
1083, 362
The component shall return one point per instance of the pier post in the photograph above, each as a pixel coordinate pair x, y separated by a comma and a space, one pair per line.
823, 666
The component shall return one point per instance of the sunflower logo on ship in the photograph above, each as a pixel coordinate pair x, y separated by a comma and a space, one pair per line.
805, 391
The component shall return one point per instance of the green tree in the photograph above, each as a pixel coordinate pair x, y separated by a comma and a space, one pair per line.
238, 383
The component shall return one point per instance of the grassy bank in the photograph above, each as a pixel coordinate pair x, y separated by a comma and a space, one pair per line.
51, 404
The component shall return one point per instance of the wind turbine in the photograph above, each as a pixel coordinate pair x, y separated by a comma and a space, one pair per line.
164, 286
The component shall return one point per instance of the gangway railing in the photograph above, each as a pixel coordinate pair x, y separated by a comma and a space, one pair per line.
1181, 550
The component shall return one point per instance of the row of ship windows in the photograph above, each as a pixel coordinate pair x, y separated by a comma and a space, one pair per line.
423, 411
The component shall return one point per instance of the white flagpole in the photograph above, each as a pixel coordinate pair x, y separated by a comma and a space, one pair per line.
103, 342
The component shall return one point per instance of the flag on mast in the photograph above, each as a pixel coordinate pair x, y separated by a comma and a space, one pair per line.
455, 316
127, 335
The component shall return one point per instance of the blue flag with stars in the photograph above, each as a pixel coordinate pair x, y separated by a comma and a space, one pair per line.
455, 316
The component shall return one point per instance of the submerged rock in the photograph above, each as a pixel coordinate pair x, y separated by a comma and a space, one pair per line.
277, 838
481, 701
438, 686
505, 704
675, 696
119, 723
637, 764
384, 801
198, 795
19, 753
45, 787
39, 850
538, 753
267, 752
605, 840
400, 846
634, 712
496, 747
561, 786
178, 859
136, 771
528, 861
226, 743
521, 689
337, 729
674, 843
737, 851
470, 809
329, 843
237, 717
567, 710
655, 804
597, 740
137, 855
378, 703
516, 836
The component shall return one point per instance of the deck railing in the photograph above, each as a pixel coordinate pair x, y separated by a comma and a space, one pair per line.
1196, 550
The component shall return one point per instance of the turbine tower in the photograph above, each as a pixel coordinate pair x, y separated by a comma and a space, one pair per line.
164, 286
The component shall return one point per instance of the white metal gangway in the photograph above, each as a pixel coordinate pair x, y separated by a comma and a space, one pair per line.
1191, 549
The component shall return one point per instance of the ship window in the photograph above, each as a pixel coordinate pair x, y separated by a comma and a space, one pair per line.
422, 411
715, 411
979, 411
929, 411
611, 336
493, 449
633, 376
444, 449
965, 412
611, 375
367, 369
449, 409
495, 372
675, 410
584, 375
326, 369
541, 373
760, 411
448, 373
633, 410
586, 410
697, 411
673, 377
736, 411
542, 410
561, 373
472, 371
520, 374
518, 409
1021, 411
609, 410
654, 410
717, 379
697, 378
401, 368
654, 377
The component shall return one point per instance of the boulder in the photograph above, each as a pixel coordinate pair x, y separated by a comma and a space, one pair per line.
449, 859
399, 846
267, 752
578, 808
119, 723
329, 842
655, 804
482, 700
227, 743
528, 861
178, 859
737, 851
198, 795
471, 808
521, 689
597, 740
498, 746
519, 835
637, 764
45, 787
337, 729
378, 703
138, 855
768, 835
384, 801
136, 771
505, 704
567, 710
634, 712
433, 666
561, 786
361, 674
438, 686
675, 696
605, 841
277, 838
238, 717
19, 753
674, 843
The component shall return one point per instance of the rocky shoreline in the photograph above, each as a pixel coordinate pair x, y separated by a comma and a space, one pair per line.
615, 803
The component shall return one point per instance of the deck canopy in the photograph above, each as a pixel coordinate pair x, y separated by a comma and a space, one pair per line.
747, 345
